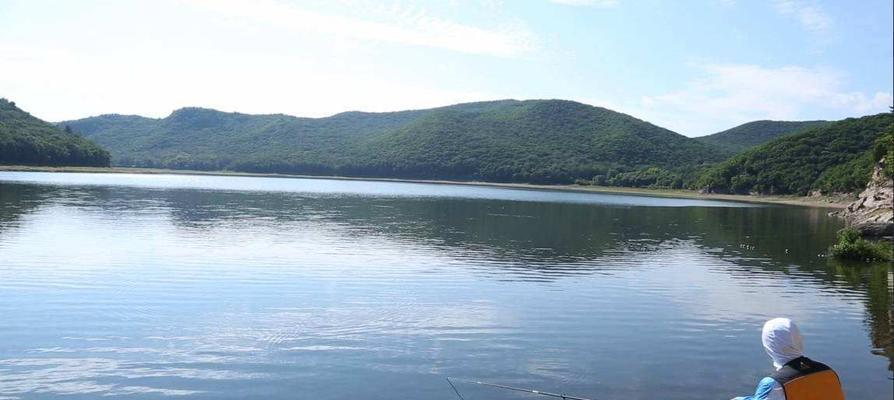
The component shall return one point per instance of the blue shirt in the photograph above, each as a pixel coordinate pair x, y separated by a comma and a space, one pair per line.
767, 389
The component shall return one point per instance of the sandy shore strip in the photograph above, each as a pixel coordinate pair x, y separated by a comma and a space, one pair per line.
806, 201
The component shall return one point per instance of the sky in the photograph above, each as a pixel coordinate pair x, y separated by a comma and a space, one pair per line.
693, 66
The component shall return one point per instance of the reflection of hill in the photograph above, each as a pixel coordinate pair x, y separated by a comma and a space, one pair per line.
533, 233
546, 239
17, 200
780, 235
555, 239
539, 234
511, 230
876, 281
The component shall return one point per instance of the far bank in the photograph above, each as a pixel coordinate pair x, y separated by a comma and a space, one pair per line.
836, 202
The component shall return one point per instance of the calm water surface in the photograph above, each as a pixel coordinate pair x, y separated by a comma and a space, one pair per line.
169, 287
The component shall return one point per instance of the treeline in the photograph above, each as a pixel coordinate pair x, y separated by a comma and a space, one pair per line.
537, 141
648, 177
26, 140
837, 158
745, 136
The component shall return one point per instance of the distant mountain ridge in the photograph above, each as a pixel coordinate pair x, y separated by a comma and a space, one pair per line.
745, 136
532, 141
26, 140
539, 141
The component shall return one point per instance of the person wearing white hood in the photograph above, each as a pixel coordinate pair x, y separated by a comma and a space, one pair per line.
796, 377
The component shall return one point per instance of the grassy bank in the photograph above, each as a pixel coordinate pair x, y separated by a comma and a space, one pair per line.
810, 201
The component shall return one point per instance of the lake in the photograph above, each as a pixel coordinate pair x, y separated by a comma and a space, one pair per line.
209, 287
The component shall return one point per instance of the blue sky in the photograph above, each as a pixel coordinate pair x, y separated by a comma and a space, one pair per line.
692, 66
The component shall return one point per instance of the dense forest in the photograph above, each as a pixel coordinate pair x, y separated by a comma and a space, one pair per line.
834, 158
745, 136
537, 141
533, 141
26, 140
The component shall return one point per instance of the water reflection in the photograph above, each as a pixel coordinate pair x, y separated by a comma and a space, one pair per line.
876, 281
533, 235
194, 292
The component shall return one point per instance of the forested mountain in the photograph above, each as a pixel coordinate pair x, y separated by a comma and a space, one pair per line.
542, 141
837, 157
751, 134
26, 140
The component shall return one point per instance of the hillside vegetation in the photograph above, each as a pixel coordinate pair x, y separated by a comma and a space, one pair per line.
538, 141
534, 141
26, 140
834, 158
754, 133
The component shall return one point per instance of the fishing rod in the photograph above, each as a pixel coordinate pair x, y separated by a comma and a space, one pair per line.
517, 389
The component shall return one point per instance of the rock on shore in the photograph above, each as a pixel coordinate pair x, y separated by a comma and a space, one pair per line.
873, 212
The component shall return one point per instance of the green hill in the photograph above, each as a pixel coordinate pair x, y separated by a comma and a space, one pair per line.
543, 141
837, 157
26, 140
754, 133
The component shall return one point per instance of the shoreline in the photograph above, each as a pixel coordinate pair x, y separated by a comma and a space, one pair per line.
804, 201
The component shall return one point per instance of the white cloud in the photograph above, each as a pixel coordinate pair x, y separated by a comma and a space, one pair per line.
811, 16
595, 3
406, 28
116, 83
246, 64
731, 94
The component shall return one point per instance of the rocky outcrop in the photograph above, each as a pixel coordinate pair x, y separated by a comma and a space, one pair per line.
873, 212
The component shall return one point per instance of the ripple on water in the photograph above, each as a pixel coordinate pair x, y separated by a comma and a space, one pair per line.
151, 289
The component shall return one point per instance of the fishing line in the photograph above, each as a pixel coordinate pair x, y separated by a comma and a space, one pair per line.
454, 389
517, 389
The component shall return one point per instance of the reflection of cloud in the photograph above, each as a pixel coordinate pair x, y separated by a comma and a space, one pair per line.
352, 322
127, 390
553, 369
160, 242
71, 376
724, 291
304, 335
323, 348
317, 246
312, 292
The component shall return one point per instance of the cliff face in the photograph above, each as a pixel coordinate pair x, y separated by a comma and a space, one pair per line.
873, 213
